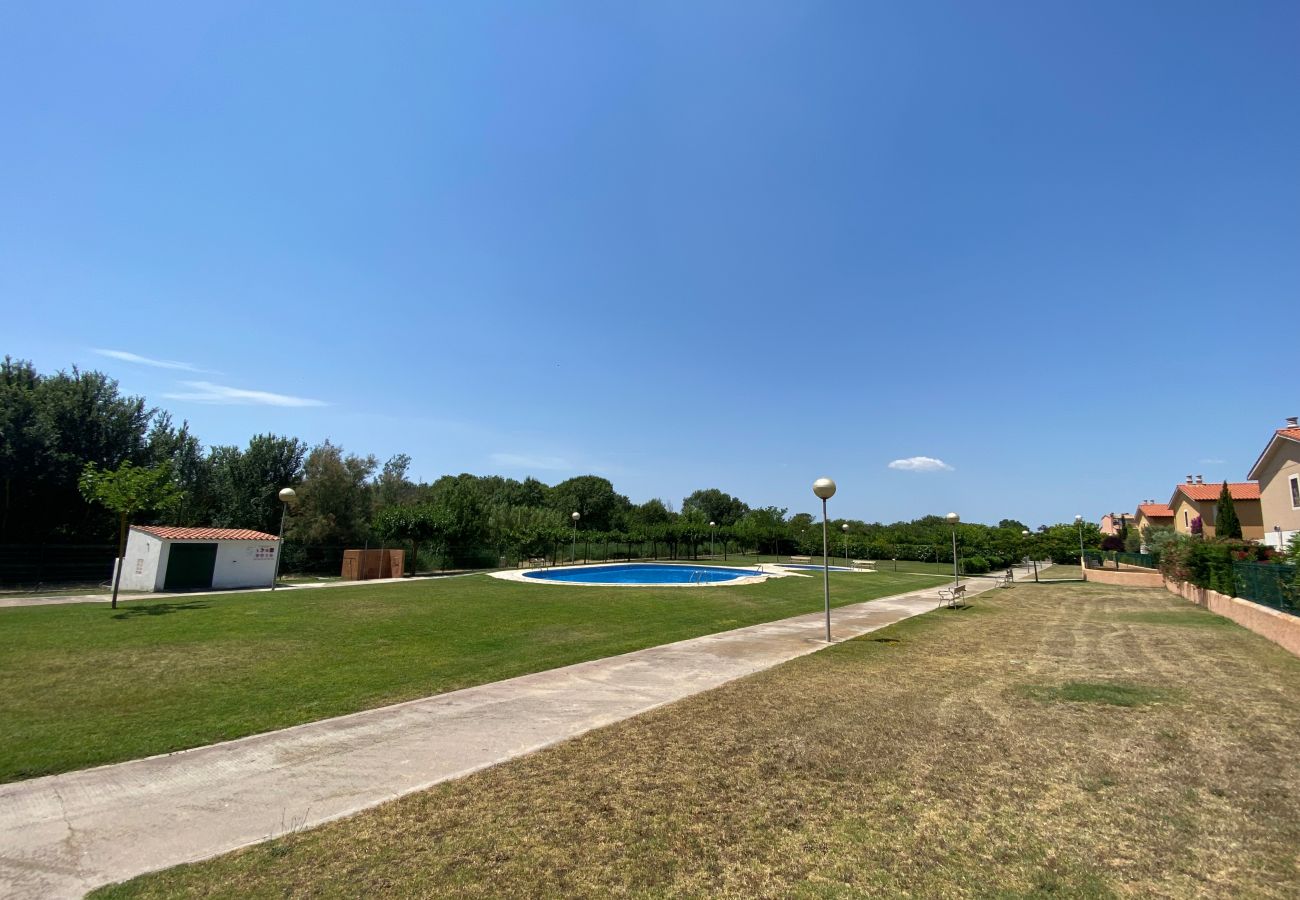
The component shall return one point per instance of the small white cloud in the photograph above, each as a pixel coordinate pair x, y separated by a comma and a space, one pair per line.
526, 461
921, 464
126, 356
207, 392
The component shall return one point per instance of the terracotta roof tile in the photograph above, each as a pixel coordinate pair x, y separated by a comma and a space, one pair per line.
1240, 490
174, 533
1292, 433
1156, 510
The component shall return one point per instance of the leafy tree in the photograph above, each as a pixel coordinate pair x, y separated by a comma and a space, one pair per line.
716, 506
126, 491
417, 524
1158, 537
50, 428
334, 498
593, 498
191, 469
393, 488
245, 484
652, 513
459, 505
525, 529
1226, 523
765, 528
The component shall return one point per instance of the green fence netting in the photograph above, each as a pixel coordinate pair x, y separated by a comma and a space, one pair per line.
1268, 584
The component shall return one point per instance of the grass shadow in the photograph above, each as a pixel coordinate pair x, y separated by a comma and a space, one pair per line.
159, 609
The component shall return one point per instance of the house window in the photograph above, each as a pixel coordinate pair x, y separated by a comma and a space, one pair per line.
1295, 491
1186, 523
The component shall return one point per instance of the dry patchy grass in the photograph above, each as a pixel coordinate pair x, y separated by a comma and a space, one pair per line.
955, 755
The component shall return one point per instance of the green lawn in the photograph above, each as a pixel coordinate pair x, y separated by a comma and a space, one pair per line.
87, 685
1053, 741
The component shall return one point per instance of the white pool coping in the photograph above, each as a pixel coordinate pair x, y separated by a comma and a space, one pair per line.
765, 571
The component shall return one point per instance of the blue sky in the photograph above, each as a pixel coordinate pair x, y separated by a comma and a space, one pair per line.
681, 244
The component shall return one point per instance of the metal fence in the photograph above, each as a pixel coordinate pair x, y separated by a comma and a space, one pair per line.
32, 565
1267, 584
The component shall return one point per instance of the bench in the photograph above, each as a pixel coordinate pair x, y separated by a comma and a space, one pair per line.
539, 562
801, 559
952, 596
867, 565
1007, 580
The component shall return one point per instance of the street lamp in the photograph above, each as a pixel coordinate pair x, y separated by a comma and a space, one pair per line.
824, 488
845, 528
1078, 520
713, 531
952, 519
287, 496
1027, 536
573, 557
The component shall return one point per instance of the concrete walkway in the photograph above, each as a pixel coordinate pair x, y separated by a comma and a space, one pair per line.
63, 835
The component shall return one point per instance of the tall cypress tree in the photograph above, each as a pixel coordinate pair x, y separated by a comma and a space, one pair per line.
1226, 523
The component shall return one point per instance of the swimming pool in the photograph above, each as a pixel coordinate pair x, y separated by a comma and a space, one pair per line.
643, 574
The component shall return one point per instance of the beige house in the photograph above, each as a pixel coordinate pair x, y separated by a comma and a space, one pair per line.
1151, 515
1196, 498
1278, 472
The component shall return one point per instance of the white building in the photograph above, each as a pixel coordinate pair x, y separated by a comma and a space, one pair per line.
165, 558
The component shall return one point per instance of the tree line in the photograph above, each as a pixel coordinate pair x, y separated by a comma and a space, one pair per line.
53, 426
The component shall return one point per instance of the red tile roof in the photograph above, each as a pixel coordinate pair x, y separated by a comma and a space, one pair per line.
1292, 433
1240, 490
173, 533
1156, 510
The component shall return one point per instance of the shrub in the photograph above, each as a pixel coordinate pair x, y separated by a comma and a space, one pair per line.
976, 565
1112, 542
1229, 526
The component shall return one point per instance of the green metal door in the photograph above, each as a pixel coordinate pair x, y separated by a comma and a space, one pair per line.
189, 566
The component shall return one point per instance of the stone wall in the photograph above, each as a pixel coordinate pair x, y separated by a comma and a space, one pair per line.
1129, 577
1279, 627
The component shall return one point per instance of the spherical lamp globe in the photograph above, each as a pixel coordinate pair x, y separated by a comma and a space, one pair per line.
824, 488
952, 518
288, 495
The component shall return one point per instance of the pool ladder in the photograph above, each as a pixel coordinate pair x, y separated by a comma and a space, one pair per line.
697, 577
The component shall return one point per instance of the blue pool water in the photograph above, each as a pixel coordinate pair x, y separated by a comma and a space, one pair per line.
642, 573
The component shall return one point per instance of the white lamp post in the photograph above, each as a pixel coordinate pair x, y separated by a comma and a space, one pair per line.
287, 496
824, 488
845, 528
1078, 520
952, 519
713, 530
573, 557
